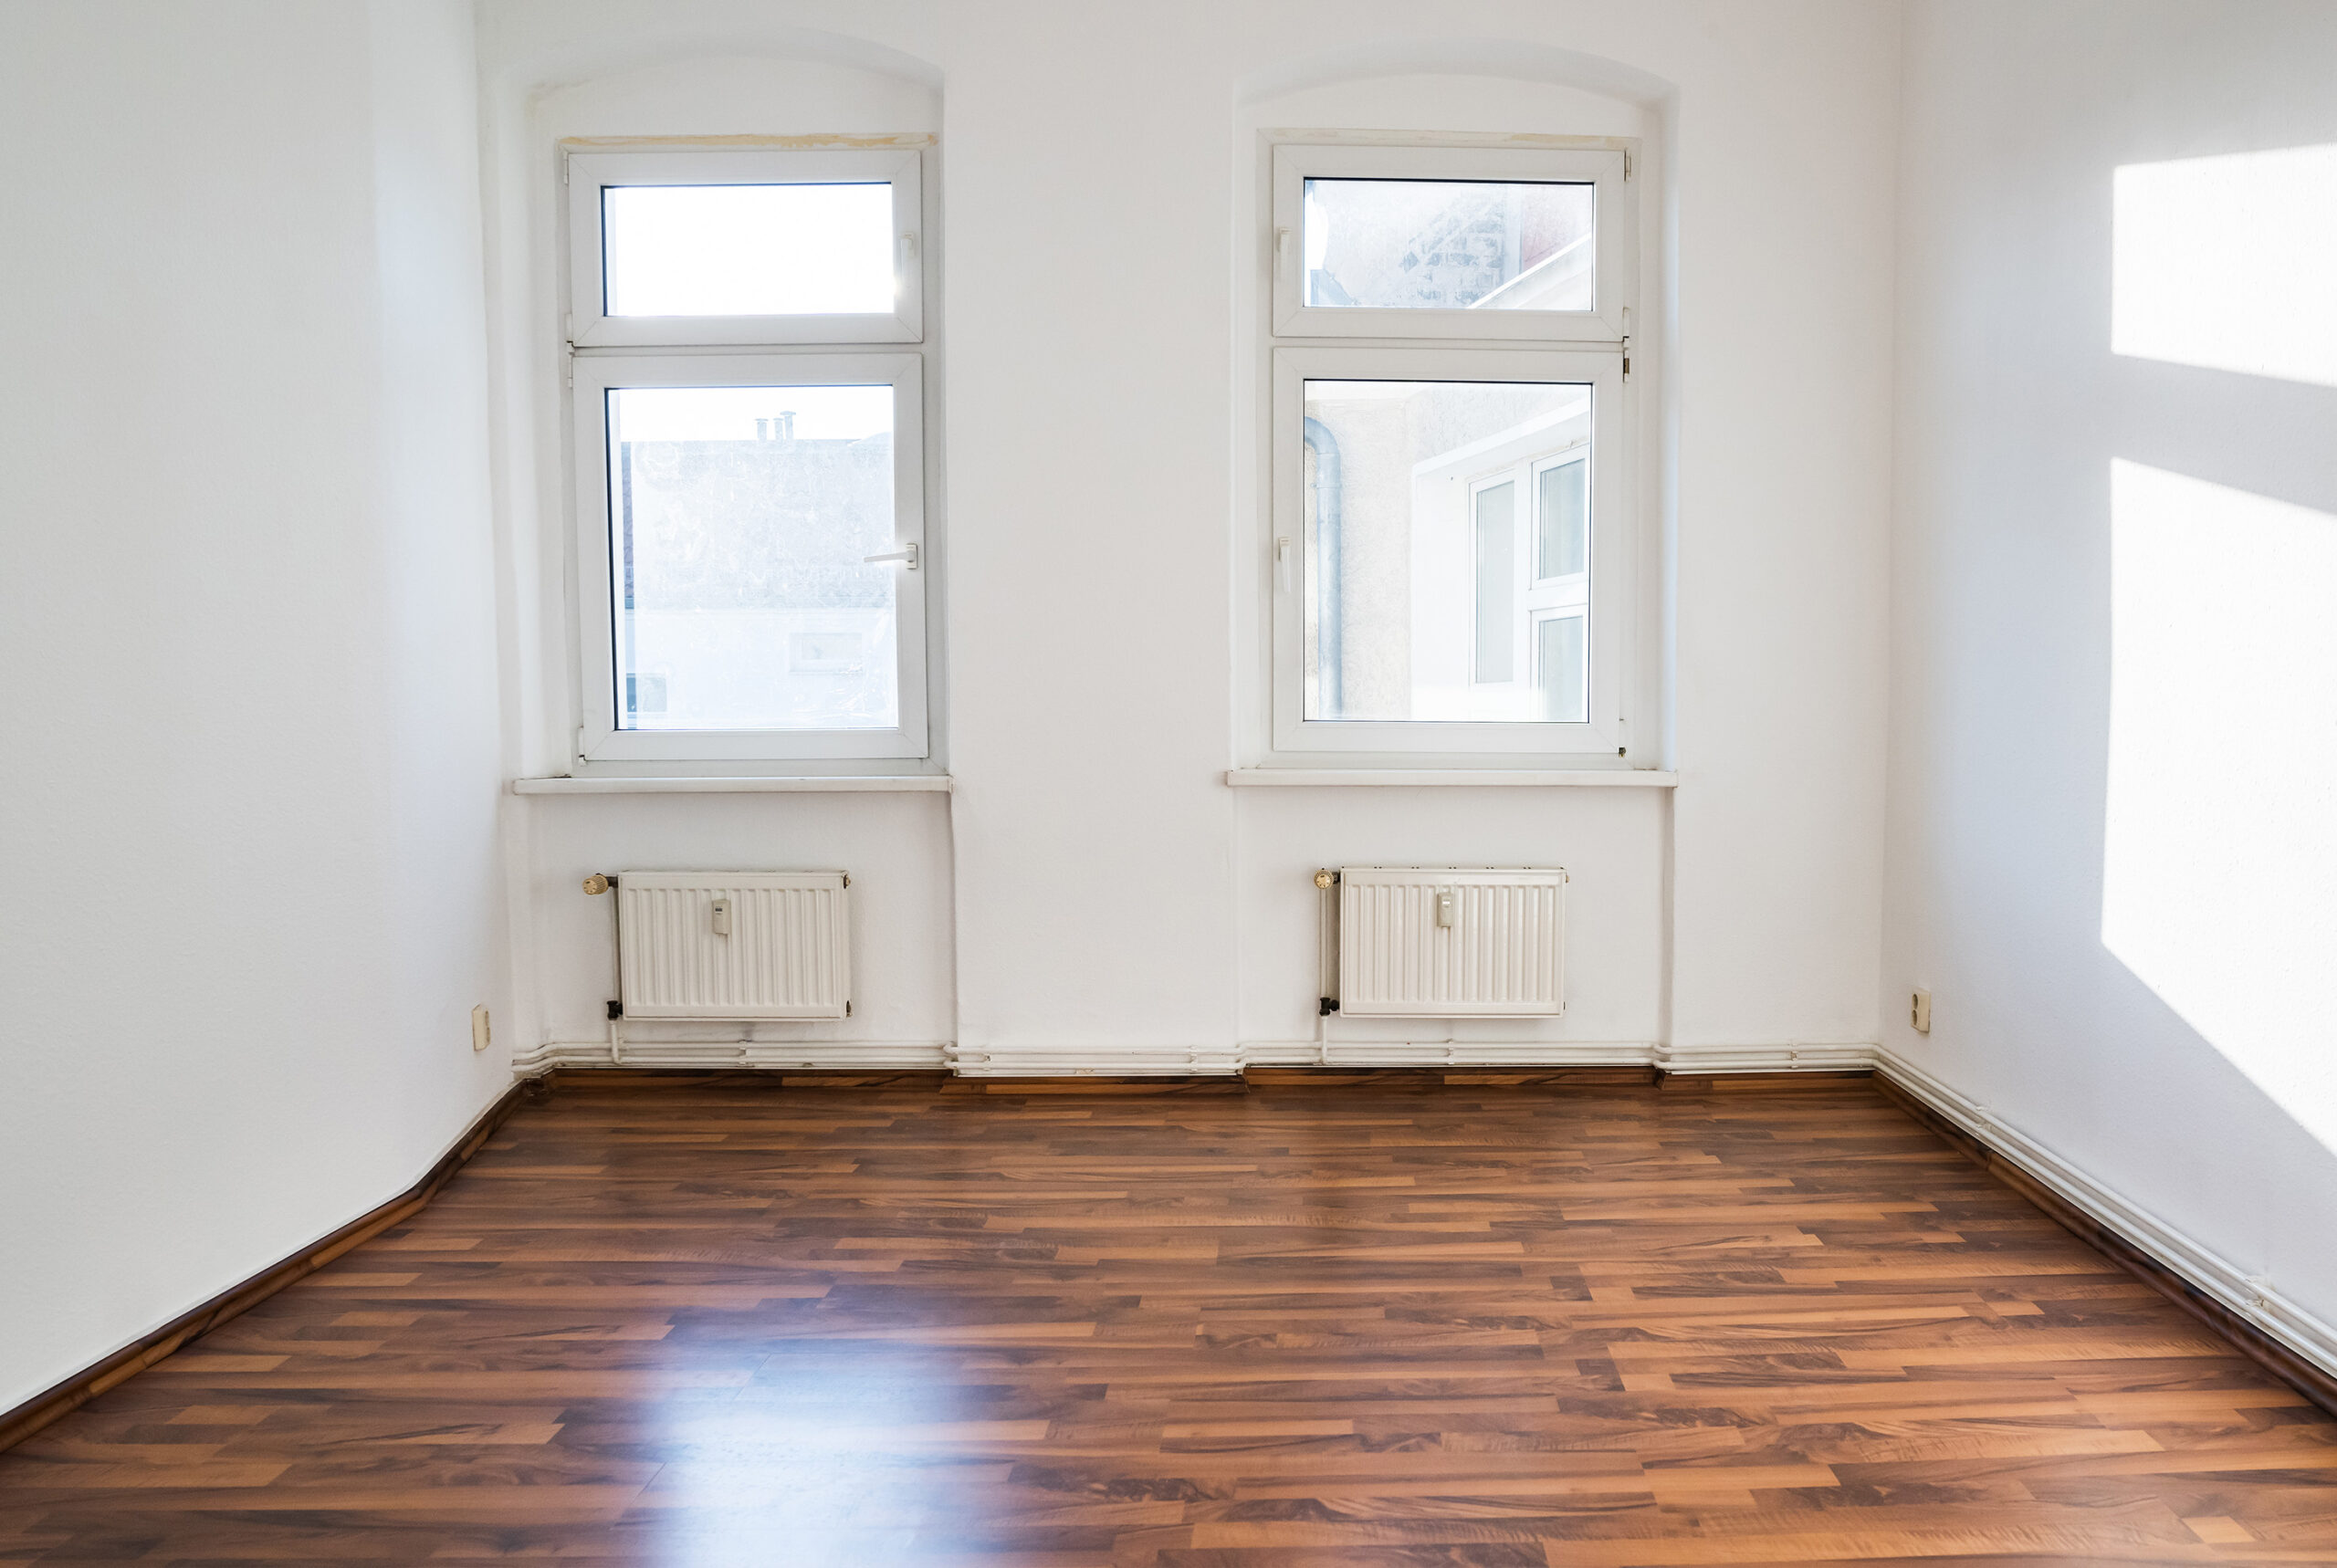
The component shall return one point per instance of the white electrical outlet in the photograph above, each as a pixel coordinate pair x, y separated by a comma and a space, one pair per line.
481, 1032
1919, 1012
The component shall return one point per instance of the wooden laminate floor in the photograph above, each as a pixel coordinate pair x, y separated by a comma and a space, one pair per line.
1478, 1320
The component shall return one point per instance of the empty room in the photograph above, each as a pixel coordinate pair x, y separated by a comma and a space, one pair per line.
1068, 784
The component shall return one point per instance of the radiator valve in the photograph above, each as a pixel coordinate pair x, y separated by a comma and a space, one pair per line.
597, 884
1323, 879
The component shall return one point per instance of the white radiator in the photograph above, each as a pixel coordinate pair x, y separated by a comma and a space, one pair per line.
733, 945
1425, 942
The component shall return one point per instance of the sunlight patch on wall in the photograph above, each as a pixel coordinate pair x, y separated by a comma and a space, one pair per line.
2219, 874
2229, 263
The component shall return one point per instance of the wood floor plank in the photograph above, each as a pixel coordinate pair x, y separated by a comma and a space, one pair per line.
1482, 1320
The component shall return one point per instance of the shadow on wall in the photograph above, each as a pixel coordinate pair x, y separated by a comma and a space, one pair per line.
2219, 840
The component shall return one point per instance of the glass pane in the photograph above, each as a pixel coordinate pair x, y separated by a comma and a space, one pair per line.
1561, 663
1565, 544
1496, 581
747, 250
1450, 244
737, 518
1417, 599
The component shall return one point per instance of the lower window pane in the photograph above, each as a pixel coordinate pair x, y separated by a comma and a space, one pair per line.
738, 521
1423, 582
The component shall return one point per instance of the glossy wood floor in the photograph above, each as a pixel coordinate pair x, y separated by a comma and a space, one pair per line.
1483, 1321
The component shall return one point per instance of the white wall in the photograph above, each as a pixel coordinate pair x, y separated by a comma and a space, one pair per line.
1097, 541
2164, 1032
247, 796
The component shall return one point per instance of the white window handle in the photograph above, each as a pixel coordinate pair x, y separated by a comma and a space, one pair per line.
1282, 565
907, 557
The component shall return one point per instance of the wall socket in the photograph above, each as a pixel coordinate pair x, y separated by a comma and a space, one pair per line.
1919, 1012
481, 1032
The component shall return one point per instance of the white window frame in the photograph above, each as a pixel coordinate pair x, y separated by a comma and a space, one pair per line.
1611, 590
595, 375
1615, 247
588, 173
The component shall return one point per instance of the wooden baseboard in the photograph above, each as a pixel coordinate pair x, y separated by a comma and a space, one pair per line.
42, 1408
1725, 1082
1353, 1077
2276, 1358
765, 1080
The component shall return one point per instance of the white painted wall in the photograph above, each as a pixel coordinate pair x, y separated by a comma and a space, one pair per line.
247, 800
2164, 1032
1098, 545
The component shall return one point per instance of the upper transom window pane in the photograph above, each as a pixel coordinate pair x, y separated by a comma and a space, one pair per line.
1451, 245
748, 250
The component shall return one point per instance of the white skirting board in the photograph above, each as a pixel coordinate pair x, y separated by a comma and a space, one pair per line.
1180, 1061
1025, 1061
2252, 1298
1191, 1059
1596, 1053
2255, 1299
1803, 1056
831, 1055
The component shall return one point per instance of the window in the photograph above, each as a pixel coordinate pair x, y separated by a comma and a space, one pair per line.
747, 402
1452, 538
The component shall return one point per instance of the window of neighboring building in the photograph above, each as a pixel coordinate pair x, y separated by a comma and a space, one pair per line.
749, 526
1451, 533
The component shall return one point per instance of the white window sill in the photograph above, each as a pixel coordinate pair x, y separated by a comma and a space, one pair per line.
839, 784
1410, 779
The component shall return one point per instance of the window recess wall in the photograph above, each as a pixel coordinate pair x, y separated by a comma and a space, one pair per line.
1614, 849
702, 95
